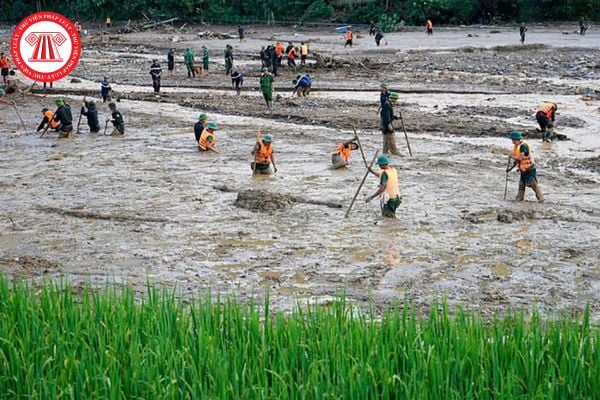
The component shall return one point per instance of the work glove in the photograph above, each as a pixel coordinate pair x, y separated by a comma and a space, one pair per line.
390, 128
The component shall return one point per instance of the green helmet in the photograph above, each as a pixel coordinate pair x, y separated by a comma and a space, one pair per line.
2, 92
59, 102
383, 85
112, 105
394, 96
515, 135
212, 126
268, 138
202, 116
383, 160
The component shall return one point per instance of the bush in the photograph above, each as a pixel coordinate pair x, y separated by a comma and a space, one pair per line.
317, 10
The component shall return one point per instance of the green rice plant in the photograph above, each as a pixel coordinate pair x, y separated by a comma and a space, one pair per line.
59, 343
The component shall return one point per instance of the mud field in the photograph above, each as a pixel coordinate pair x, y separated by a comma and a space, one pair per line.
150, 207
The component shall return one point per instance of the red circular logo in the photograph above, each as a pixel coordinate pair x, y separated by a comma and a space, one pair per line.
45, 46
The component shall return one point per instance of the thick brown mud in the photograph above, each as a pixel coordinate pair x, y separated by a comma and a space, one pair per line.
150, 207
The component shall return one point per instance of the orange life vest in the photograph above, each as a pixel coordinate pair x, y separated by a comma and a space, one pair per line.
429, 24
278, 49
292, 53
304, 49
526, 162
108, 20
344, 152
263, 155
547, 109
4, 62
348, 35
49, 115
203, 143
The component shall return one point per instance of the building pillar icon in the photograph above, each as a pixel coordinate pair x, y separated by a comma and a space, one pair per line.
46, 46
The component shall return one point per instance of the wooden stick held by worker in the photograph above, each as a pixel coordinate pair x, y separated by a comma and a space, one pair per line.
362, 183
362, 153
405, 134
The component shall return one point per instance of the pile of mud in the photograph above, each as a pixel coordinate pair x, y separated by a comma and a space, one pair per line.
591, 164
261, 200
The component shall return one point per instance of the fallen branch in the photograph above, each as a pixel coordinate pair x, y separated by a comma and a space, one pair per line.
155, 24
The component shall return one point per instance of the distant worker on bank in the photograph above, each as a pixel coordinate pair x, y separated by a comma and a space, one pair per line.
263, 156
303, 53
108, 22
388, 187
171, 61
349, 37
341, 155
205, 58
522, 30
429, 27
237, 80
266, 87
523, 157
155, 73
545, 118
4, 68
105, 89
188, 58
378, 37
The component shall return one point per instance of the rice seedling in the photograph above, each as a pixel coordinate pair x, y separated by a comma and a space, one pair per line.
106, 344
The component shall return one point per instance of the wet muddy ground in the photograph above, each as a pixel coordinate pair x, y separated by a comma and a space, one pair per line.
150, 207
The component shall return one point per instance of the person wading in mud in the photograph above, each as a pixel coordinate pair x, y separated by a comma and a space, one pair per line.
48, 119
522, 30
341, 155
228, 59
263, 156
388, 186
523, 157
237, 80
387, 128
64, 117
266, 87
545, 118
205, 59
155, 73
208, 141
188, 58
89, 110
200, 126
117, 120
171, 61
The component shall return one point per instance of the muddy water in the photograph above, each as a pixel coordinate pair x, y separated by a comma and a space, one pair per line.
146, 207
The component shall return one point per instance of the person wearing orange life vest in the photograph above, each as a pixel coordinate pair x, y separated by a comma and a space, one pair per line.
263, 156
278, 53
523, 157
349, 36
429, 27
545, 118
341, 155
108, 22
388, 186
48, 119
4, 68
207, 138
291, 55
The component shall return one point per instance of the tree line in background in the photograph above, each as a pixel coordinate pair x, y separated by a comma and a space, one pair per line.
387, 12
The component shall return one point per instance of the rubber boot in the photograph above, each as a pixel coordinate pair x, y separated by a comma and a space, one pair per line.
538, 191
393, 148
521, 193
385, 143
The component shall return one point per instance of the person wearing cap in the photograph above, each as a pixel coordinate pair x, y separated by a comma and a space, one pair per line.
341, 155
263, 156
155, 73
302, 85
89, 110
266, 87
205, 58
387, 117
207, 138
105, 89
384, 95
545, 118
388, 186
188, 58
237, 80
171, 61
200, 126
117, 120
228, 59
64, 117
48, 119
523, 157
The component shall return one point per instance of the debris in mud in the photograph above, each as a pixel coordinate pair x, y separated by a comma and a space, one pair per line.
591, 164
27, 266
94, 215
261, 200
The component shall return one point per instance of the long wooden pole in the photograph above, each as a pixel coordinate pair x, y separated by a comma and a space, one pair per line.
506, 183
362, 153
48, 126
257, 142
362, 183
18, 114
405, 134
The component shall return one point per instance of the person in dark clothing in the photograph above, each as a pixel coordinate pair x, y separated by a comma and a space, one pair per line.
155, 72
105, 89
117, 120
171, 61
228, 59
268, 56
582, 26
545, 118
522, 31
241, 32
384, 95
372, 28
274, 61
237, 79
387, 129
89, 110
64, 117
378, 37
200, 126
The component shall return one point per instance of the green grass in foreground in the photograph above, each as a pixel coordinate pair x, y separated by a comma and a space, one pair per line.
55, 344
